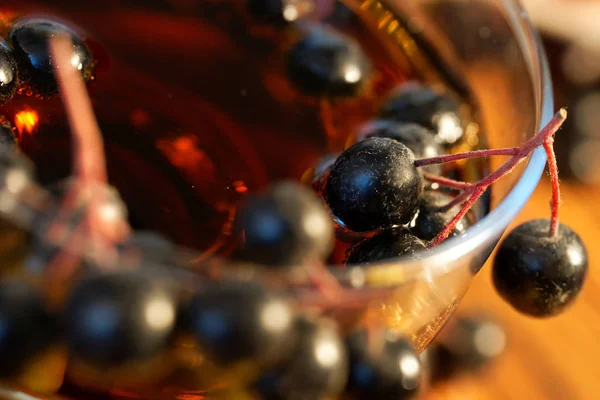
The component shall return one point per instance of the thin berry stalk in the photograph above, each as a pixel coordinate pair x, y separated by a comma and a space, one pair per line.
449, 183
472, 193
511, 151
538, 140
89, 160
555, 201
460, 199
443, 235
88, 149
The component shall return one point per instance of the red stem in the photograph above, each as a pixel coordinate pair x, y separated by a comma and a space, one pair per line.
460, 199
538, 140
463, 211
473, 193
451, 183
553, 170
511, 151
89, 161
88, 148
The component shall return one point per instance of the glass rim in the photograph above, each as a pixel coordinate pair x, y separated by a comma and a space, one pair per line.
486, 231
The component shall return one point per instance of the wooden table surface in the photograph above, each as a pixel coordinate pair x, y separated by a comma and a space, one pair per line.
556, 358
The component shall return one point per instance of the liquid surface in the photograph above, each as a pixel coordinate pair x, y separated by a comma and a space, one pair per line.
197, 110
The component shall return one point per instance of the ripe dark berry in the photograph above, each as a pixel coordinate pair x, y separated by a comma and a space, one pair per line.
8, 72
120, 317
236, 321
391, 243
8, 140
30, 39
374, 185
26, 327
430, 220
316, 369
328, 63
286, 225
389, 370
465, 345
422, 105
416, 137
538, 274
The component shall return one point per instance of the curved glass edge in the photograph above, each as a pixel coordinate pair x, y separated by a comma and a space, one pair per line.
489, 229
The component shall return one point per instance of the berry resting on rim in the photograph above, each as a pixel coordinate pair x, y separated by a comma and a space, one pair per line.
541, 266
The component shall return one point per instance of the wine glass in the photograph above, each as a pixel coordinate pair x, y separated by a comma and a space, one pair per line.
484, 50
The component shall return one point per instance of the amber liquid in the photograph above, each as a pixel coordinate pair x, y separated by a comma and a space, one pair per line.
196, 109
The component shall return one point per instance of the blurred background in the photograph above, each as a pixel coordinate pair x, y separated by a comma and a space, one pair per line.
557, 358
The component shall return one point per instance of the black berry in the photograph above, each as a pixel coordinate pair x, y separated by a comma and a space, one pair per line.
30, 39
286, 225
389, 370
430, 220
316, 369
236, 321
8, 140
374, 185
328, 63
26, 326
8, 72
466, 345
537, 274
422, 105
416, 137
388, 244
116, 318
